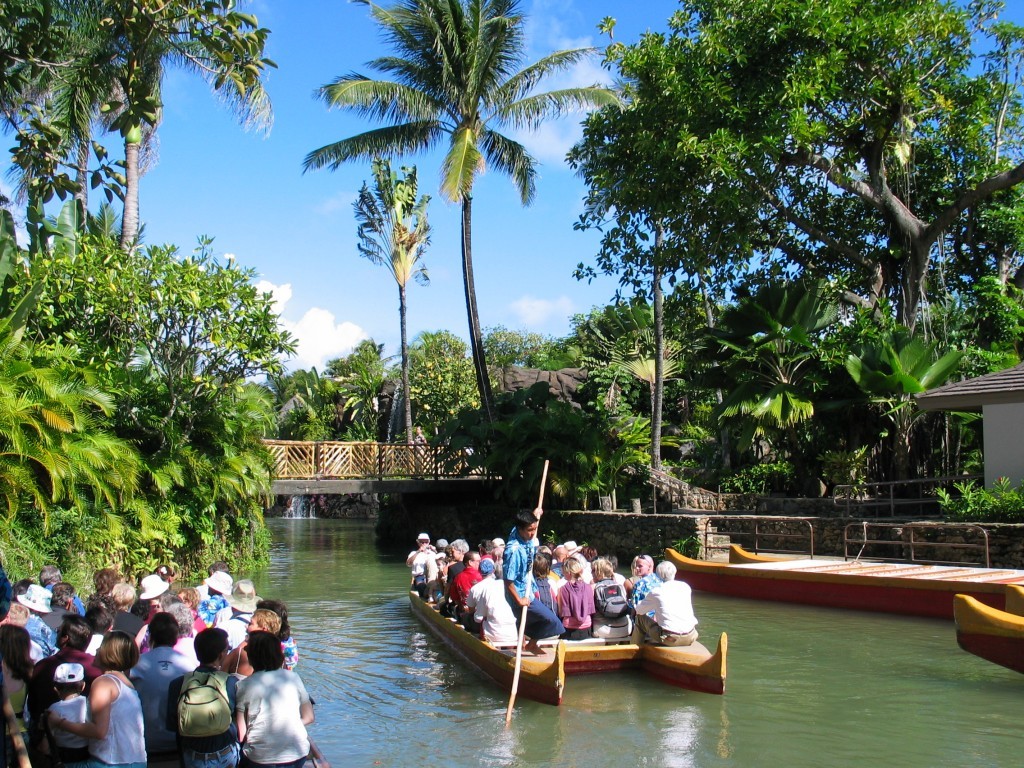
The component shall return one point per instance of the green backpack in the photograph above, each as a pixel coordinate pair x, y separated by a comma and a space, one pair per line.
203, 707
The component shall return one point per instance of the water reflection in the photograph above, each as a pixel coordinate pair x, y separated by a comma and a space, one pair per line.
807, 686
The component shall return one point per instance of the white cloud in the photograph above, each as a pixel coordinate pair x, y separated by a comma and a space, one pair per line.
533, 312
339, 202
319, 336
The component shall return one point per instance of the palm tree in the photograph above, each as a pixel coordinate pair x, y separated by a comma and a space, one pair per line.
456, 75
139, 39
393, 231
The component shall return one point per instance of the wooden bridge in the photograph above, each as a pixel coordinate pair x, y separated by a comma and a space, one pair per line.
306, 468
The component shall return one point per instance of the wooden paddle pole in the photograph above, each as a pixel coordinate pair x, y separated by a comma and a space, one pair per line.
522, 619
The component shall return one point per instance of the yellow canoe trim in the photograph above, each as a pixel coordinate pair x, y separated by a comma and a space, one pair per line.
974, 617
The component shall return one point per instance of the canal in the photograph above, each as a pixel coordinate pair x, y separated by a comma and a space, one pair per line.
806, 687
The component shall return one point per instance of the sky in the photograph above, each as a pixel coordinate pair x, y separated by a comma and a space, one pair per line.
298, 231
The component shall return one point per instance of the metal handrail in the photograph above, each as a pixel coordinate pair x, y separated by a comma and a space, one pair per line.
866, 495
757, 533
913, 543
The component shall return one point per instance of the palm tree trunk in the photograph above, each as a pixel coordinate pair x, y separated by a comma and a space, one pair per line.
130, 219
658, 388
406, 405
483, 381
82, 180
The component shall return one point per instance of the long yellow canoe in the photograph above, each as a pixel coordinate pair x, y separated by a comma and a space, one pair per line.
692, 667
542, 677
907, 589
994, 635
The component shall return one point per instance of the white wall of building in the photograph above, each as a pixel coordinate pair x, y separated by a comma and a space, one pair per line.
1004, 442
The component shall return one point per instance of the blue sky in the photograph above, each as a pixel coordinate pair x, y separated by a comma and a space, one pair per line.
298, 231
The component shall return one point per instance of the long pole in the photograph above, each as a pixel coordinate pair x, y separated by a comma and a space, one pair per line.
522, 619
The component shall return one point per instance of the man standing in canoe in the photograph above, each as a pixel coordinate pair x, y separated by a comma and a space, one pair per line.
518, 563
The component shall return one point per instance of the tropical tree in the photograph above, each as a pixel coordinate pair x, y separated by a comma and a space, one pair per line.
456, 76
393, 231
768, 345
891, 369
137, 40
440, 378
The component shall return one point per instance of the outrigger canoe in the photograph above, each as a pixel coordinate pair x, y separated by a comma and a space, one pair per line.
906, 589
543, 677
994, 635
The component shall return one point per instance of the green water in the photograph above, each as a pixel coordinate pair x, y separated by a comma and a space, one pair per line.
806, 687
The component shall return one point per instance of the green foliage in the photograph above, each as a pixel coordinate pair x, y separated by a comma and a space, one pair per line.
590, 456
846, 468
505, 348
688, 547
761, 479
768, 345
173, 340
972, 503
441, 379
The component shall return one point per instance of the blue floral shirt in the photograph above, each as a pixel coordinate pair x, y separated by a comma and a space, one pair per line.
643, 587
210, 607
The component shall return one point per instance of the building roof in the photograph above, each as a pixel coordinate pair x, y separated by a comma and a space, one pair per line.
993, 388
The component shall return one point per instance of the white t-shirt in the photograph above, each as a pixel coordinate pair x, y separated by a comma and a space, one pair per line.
270, 703
491, 609
74, 710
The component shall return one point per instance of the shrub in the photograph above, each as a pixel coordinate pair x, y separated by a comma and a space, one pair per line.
1000, 504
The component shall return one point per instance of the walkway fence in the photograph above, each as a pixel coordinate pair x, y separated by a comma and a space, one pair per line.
296, 460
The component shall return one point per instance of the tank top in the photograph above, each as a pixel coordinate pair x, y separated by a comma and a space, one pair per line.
125, 742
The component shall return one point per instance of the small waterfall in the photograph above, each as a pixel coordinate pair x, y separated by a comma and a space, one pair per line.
301, 508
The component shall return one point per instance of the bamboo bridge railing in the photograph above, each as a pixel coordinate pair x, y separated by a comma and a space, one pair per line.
296, 460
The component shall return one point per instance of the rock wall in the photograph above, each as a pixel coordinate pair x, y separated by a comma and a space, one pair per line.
353, 506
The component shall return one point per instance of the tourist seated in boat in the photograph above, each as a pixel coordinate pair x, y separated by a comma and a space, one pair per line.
272, 709
575, 551
614, 562
462, 584
455, 554
643, 581
545, 583
611, 616
558, 555
575, 602
522, 545
152, 676
498, 556
436, 568
490, 608
665, 616
417, 562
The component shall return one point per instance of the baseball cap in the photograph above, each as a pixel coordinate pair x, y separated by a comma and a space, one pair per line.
486, 567
69, 673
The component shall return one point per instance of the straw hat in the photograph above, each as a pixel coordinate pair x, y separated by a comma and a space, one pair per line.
243, 596
571, 548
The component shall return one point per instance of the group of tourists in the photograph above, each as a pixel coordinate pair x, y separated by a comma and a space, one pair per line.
567, 591
166, 674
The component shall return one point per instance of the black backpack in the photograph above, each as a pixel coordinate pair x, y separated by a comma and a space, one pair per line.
610, 598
